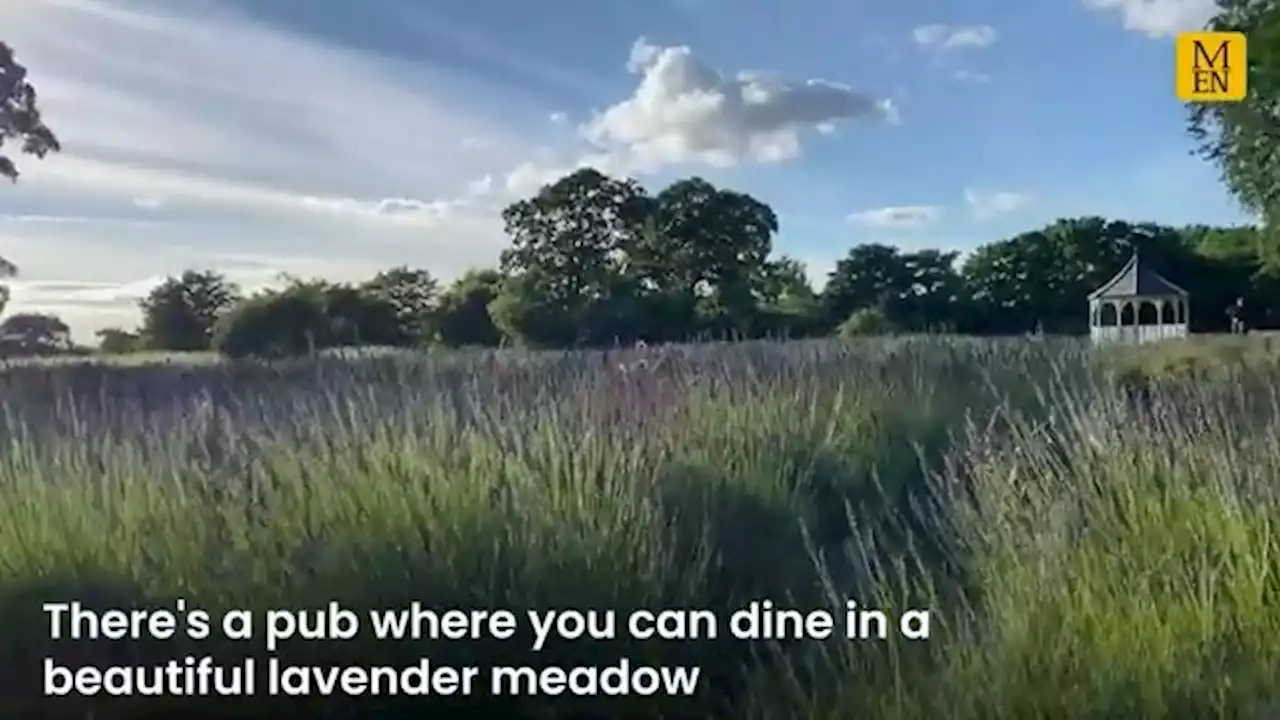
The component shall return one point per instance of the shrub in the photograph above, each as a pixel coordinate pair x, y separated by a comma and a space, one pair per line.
865, 322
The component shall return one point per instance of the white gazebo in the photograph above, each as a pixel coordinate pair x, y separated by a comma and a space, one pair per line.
1138, 305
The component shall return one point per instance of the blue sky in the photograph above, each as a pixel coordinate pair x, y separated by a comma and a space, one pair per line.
338, 137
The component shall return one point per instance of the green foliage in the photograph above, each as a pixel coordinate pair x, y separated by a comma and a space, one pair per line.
179, 314
305, 317
273, 325
597, 261
462, 318
414, 294
1079, 560
714, 244
1209, 359
114, 341
34, 334
1243, 139
865, 321
7, 270
20, 115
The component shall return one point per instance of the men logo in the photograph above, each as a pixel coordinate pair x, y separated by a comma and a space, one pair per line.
1211, 67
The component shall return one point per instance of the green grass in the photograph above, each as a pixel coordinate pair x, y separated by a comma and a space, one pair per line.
1086, 552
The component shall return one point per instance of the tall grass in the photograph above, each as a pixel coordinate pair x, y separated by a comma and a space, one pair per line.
1087, 552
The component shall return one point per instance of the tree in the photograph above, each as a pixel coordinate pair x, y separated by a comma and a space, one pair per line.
114, 341
19, 115
1243, 139
179, 314
569, 245
358, 317
7, 270
462, 316
34, 334
274, 324
711, 244
19, 121
932, 299
305, 316
870, 275
789, 305
413, 294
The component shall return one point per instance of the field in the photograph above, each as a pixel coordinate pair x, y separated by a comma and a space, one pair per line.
1095, 532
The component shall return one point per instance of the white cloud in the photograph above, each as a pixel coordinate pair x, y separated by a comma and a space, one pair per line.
559, 118
684, 111
985, 204
971, 76
949, 37
90, 306
245, 138
1159, 18
80, 269
898, 217
226, 134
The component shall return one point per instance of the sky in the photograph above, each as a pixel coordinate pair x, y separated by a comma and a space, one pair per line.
334, 138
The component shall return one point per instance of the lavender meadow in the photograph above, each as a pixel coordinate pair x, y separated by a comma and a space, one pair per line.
1088, 551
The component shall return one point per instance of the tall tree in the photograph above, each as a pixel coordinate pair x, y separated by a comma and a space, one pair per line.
7, 270
20, 115
713, 244
20, 121
870, 275
1015, 284
932, 299
1243, 138
180, 313
568, 247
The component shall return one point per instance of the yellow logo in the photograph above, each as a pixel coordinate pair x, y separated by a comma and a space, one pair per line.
1211, 67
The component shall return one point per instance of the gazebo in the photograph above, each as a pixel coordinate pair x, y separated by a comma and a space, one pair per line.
1138, 305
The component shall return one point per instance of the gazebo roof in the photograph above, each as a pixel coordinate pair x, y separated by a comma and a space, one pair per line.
1135, 279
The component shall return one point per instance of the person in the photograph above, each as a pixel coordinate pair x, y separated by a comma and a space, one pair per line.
1235, 314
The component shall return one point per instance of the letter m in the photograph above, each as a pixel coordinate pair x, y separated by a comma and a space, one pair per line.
1201, 55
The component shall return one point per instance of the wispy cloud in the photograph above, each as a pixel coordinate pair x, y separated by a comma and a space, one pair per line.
188, 114
950, 37
972, 77
900, 217
989, 203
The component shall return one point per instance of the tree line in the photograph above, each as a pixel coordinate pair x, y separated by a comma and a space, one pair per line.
595, 260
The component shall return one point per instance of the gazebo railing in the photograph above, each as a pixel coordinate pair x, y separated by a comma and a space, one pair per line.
1137, 333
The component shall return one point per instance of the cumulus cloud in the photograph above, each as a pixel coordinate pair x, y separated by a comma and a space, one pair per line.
683, 110
227, 146
949, 37
898, 216
985, 204
1159, 18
